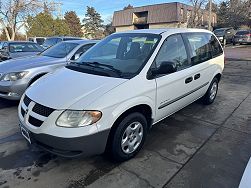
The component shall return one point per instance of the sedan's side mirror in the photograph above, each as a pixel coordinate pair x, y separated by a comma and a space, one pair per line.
76, 56
165, 67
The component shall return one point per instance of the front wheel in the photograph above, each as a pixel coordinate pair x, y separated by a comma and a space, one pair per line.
129, 137
211, 93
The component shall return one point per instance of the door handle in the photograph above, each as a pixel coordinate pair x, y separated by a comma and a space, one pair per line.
196, 76
188, 80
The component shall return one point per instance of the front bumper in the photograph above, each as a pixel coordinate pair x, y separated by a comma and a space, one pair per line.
72, 147
12, 90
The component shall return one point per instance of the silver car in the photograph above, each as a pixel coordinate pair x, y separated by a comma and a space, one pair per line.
18, 74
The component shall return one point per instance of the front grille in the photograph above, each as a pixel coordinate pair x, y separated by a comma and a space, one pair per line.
37, 109
35, 122
26, 100
22, 112
42, 110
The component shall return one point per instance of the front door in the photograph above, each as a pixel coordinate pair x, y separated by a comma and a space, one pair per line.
174, 90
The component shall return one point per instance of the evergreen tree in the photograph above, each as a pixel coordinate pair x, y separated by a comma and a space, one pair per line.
74, 24
93, 27
109, 29
43, 24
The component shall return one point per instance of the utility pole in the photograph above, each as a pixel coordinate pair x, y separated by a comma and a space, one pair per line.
210, 15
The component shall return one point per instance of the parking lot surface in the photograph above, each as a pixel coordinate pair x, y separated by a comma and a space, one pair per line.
200, 146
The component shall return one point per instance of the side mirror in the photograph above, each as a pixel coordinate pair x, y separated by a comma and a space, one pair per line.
76, 56
165, 67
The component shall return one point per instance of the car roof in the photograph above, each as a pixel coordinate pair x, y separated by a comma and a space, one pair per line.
63, 37
13, 42
167, 30
81, 41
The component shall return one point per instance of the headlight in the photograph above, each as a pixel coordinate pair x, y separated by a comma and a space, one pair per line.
220, 38
74, 118
13, 76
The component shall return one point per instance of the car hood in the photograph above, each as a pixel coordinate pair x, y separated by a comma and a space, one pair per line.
24, 63
68, 89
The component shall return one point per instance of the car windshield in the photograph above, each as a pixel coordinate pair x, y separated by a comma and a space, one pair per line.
119, 55
219, 32
60, 50
25, 47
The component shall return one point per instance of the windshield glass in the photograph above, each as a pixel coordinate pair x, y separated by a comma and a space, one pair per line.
60, 50
119, 55
25, 47
219, 32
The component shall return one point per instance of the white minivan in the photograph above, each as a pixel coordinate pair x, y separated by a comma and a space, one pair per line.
109, 98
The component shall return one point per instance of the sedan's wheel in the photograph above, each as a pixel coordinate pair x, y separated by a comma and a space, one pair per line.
129, 137
211, 93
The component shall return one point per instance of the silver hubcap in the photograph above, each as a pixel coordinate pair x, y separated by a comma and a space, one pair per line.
132, 137
213, 91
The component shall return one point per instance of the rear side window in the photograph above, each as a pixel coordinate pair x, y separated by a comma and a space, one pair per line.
242, 33
216, 49
200, 49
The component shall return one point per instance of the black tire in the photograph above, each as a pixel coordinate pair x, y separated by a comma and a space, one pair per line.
116, 150
207, 98
234, 43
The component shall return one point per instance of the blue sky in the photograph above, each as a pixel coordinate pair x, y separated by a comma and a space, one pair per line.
106, 7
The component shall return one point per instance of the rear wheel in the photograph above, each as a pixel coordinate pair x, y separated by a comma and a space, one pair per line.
211, 93
129, 137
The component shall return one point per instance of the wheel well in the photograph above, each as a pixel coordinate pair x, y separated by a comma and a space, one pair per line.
143, 108
218, 76
36, 77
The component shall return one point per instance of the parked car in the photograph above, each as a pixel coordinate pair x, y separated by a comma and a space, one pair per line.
14, 49
17, 74
225, 35
51, 41
110, 97
242, 37
38, 40
1, 44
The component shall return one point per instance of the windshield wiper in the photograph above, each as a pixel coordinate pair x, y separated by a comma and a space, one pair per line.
97, 64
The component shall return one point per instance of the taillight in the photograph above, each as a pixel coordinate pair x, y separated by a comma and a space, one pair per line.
249, 35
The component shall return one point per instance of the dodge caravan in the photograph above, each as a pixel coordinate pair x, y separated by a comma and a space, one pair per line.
108, 99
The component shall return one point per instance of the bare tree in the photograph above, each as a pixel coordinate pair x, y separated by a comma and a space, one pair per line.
196, 14
14, 13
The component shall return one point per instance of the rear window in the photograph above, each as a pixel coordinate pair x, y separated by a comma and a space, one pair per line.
40, 41
50, 41
24, 47
66, 39
242, 32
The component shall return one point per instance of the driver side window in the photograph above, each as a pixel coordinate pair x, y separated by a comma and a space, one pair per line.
81, 51
173, 51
